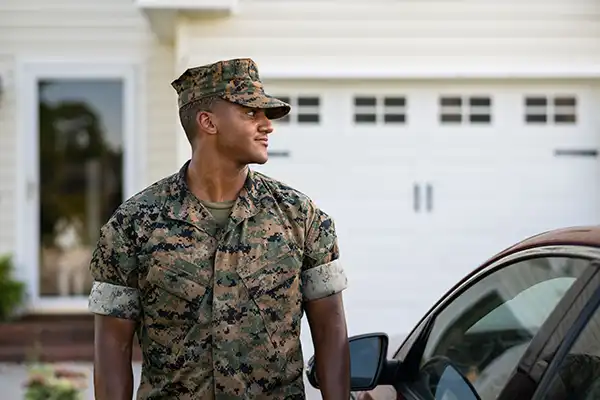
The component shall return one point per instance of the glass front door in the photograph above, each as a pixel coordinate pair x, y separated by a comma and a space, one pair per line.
80, 153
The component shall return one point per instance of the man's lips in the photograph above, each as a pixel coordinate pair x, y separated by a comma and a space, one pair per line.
264, 141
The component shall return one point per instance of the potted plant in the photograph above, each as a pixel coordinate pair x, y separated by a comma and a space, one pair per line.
11, 290
46, 382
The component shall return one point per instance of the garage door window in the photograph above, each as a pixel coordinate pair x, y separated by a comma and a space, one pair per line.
542, 110
387, 110
465, 110
305, 110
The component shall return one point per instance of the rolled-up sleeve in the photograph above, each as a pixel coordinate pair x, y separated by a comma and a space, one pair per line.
322, 271
114, 270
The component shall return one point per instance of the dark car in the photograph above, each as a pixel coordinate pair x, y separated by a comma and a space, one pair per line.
524, 325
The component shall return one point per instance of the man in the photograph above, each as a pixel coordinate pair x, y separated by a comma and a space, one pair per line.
214, 266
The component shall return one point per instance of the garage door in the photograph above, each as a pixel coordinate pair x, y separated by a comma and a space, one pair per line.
427, 179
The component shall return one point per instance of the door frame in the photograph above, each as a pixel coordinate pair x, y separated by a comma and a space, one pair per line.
29, 73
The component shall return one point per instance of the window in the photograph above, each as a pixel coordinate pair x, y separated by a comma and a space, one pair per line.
81, 146
547, 110
388, 110
483, 333
305, 110
474, 110
578, 375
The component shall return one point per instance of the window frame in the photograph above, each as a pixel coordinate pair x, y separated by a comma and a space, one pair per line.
412, 349
549, 111
461, 110
382, 107
30, 73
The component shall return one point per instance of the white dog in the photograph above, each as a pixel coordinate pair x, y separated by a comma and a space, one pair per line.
74, 257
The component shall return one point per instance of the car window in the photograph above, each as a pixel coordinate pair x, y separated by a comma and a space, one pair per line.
578, 374
484, 332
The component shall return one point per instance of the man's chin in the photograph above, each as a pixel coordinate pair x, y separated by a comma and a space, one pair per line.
261, 161
260, 158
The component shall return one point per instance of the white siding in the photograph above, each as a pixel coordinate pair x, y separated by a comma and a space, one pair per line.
406, 34
8, 159
82, 30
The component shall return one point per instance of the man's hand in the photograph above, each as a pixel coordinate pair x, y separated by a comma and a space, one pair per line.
330, 337
113, 342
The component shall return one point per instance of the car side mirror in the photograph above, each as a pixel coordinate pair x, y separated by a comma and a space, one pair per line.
368, 359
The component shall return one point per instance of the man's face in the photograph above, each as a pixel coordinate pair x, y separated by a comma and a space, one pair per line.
242, 133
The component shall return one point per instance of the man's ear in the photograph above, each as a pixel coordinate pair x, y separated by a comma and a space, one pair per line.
205, 121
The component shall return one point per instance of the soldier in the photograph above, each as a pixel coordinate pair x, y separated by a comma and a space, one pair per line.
213, 267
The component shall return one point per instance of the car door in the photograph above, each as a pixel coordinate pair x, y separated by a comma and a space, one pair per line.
572, 355
474, 340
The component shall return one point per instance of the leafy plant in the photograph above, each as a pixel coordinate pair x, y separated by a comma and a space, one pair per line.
11, 290
46, 382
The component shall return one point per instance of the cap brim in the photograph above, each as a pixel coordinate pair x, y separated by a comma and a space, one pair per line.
273, 107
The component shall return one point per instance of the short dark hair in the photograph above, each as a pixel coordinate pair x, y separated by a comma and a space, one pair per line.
188, 113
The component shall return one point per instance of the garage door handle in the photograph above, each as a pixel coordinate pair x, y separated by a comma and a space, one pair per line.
429, 197
576, 152
416, 197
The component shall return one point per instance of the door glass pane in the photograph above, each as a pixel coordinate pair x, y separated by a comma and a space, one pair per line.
578, 375
486, 330
81, 176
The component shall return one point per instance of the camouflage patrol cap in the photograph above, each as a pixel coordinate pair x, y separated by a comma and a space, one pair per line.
234, 80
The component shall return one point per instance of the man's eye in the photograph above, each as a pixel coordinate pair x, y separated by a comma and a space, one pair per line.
252, 113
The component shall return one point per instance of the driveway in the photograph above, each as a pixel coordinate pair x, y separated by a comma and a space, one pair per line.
12, 377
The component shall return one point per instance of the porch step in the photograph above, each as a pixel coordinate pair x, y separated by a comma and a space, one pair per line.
55, 338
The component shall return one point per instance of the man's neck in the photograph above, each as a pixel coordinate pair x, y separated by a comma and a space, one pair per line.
215, 180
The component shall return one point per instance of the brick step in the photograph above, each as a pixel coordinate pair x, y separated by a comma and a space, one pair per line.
25, 333
47, 353
54, 338
79, 353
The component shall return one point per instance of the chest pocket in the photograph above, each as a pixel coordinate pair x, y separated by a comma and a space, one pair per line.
176, 302
274, 285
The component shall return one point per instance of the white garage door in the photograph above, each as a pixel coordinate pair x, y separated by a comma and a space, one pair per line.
426, 180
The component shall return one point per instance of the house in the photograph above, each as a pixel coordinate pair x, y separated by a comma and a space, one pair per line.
436, 133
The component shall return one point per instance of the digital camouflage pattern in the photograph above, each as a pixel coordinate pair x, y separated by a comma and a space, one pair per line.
235, 80
219, 310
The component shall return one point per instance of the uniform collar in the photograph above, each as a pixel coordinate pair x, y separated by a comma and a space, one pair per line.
182, 205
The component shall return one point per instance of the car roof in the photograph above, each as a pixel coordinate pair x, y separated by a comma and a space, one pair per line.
573, 236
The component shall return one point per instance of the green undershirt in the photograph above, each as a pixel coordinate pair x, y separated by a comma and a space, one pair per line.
219, 210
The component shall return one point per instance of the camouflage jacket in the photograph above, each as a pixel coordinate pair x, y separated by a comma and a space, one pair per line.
218, 310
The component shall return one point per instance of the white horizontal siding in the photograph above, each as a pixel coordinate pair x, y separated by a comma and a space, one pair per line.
401, 33
83, 30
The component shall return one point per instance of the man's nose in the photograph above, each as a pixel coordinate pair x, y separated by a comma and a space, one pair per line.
266, 126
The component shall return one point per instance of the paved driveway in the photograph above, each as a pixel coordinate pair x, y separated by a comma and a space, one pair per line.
12, 377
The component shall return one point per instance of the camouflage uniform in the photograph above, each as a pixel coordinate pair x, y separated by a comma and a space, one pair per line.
218, 309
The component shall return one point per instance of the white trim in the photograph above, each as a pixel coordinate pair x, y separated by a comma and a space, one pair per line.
71, 305
318, 70
28, 73
189, 5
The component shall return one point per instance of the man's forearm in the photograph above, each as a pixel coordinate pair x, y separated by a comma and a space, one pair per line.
333, 365
332, 354
113, 374
113, 347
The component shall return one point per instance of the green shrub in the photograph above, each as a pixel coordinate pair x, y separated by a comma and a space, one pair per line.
11, 290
